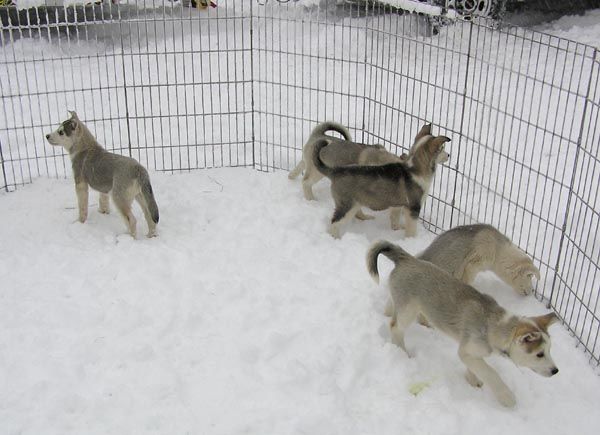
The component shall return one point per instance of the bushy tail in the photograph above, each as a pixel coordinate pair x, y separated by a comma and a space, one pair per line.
149, 196
324, 127
391, 251
322, 168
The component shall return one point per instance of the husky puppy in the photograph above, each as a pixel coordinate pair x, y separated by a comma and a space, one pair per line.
401, 186
339, 152
475, 320
123, 177
467, 250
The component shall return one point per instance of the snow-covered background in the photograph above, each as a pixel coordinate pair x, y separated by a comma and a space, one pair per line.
116, 346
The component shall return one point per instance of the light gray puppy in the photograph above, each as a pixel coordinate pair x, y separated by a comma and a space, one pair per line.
121, 177
475, 320
339, 152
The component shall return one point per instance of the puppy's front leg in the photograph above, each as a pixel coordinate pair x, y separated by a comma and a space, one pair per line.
81, 189
410, 219
104, 203
395, 218
481, 370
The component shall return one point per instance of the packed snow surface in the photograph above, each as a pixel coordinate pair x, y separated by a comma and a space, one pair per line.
242, 316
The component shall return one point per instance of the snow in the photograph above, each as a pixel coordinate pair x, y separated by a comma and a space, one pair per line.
582, 28
242, 316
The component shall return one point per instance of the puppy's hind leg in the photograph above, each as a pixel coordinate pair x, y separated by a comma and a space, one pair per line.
389, 307
104, 203
411, 217
311, 176
395, 218
342, 214
123, 204
402, 317
147, 215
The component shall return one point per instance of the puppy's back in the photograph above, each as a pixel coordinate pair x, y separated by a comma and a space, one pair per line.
449, 249
445, 301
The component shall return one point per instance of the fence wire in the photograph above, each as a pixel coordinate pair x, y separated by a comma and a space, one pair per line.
243, 85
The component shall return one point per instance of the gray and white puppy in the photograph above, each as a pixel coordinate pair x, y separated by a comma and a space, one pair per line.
475, 320
402, 186
467, 250
339, 152
121, 177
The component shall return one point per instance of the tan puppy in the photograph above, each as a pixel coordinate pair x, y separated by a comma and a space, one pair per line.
467, 250
475, 320
339, 152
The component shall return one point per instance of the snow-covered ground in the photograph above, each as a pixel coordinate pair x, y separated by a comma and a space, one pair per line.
242, 316
582, 28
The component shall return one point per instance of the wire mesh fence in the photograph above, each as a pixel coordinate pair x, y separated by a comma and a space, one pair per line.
180, 89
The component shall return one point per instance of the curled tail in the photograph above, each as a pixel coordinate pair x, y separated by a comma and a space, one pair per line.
149, 196
391, 251
324, 127
321, 167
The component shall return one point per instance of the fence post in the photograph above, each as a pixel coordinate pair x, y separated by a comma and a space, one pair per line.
365, 98
252, 85
3, 169
462, 120
577, 152
125, 85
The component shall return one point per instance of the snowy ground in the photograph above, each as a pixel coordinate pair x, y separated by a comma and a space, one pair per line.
243, 316
582, 28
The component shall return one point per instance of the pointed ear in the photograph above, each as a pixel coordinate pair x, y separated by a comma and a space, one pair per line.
438, 141
545, 321
425, 130
73, 114
529, 337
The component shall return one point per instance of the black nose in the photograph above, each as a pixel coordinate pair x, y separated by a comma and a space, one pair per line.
47, 136
554, 371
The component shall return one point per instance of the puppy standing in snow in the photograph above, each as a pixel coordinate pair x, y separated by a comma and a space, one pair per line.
475, 320
400, 186
123, 177
339, 152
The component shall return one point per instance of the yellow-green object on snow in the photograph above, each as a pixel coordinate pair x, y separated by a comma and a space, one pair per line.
416, 388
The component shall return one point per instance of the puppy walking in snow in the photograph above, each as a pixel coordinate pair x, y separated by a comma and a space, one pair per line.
121, 177
400, 186
475, 320
465, 251
339, 152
